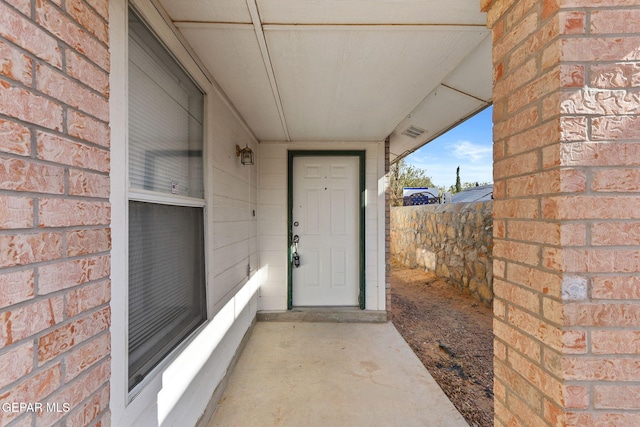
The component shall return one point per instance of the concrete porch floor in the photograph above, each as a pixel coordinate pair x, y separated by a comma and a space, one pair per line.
331, 374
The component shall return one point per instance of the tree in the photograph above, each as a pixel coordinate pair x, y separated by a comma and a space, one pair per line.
403, 175
458, 186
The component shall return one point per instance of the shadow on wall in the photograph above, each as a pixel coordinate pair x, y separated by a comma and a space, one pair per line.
454, 240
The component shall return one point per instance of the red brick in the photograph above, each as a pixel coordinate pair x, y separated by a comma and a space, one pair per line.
88, 184
539, 136
616, 397
87, 73
87, 128
615, 287
84, 242
602, 314
552, 310
617, 75
516, 124
19, 30
16, 287
524, 412
89, 411
68, 274
23, 322
25, 175
61, 150
15, 364
55, 213
601, 369
534, 91
23, 249
623, 180
572, 75
76, 392
87, 297
34, 389
516, 165
601, 418
25, 105
532, 47
499, 391
15, 65
601, 261
23, 6
552, 258
16, 212
573, 235
614, 21
79, 39
88, 19
554, 415
100, 6
68, 336
85, 356
615, 233
503, 416
591, 207
576, 396
509, 84
549, 385
57, 85
516, 340
535, 327
543, 282
14, 138
516, 208
495, 9
521, 252
515, 36
601, 102
499, 309
517, 296
615, 342
615, 128
574, 341
499, 350
601, 154
600, 49
535, 184
518, 385
499, 189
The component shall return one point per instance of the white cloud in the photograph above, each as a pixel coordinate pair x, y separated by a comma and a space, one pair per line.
467, 150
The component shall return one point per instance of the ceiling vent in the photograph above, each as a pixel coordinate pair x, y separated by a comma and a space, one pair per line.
413, 132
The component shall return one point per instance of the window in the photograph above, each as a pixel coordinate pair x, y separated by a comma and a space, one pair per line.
166, 203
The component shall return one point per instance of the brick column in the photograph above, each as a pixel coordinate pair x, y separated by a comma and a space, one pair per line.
54, 212
567, 211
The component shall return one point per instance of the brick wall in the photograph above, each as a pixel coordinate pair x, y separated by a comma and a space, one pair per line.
54, 212
566, 212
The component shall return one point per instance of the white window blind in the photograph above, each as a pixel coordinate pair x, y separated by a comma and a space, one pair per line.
166, 246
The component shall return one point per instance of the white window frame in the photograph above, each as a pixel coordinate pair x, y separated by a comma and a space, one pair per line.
128, 405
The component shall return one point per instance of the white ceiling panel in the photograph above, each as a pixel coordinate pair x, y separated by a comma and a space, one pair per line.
474, 75
442, 109
358, 83
234, 11
465, 12
232, 56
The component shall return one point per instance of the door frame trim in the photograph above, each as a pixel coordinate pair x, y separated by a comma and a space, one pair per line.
362, 188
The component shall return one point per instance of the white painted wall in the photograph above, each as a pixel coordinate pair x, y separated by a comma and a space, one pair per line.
177, 391
272, 220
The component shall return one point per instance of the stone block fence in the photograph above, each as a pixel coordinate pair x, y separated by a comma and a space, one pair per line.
454, 240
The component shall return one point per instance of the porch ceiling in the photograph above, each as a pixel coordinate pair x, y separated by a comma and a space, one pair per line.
343, 70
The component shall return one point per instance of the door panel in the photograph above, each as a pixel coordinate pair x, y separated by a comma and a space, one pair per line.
326, 208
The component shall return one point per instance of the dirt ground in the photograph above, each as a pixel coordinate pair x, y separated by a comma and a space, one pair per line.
452, 334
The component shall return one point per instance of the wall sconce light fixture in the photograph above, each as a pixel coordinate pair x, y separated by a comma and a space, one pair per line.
245, 154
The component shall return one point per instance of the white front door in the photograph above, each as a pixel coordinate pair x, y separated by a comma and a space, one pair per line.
325, 217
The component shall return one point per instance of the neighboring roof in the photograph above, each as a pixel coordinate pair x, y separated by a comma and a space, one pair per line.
474, 194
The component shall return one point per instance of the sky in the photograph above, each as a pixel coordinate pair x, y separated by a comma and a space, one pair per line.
469, 145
